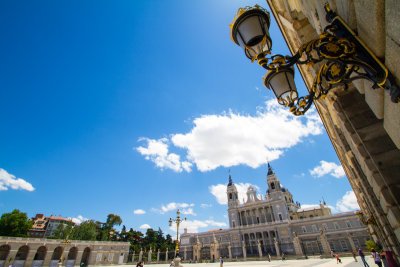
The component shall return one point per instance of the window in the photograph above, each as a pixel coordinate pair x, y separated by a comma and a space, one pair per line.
230, 196
314, 228
258, 220
348, 224
272, 185
98, 257
304, 229
311, 216
343, 244
336, 226
356, 243
110, 256
233, 224
280, 217
325, 227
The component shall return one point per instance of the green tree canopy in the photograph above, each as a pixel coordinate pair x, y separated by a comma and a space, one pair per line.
15, 224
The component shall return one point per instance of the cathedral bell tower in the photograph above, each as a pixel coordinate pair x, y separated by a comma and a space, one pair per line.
233, 203
274, 185
232, 194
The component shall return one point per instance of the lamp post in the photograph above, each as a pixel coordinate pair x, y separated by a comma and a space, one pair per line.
343, 55
178, 221
65, 242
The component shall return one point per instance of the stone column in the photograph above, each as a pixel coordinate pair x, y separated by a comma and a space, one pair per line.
265, 214
47, 258
278, 253
230, 251
149, 256
133, 256
166, 255
351, 241
259, 249
297, 246
30, 257
244, 250
11, 257
184, 253
140, 255
325, 244
158, 256
78, 258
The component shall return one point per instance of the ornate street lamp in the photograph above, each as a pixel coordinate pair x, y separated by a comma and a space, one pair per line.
178, 221
344, 56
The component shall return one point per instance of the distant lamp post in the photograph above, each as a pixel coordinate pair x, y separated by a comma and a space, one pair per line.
344, 56
178, 221
65, 242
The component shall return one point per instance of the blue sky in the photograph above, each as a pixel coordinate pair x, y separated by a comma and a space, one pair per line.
117, 106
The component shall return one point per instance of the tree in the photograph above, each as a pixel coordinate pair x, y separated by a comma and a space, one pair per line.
15, 224
85, 231
371, 244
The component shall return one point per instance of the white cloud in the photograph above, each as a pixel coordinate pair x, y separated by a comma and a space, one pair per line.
185, 207
330, 168
145, 226
205, 205
157, 151
219, 192
78, 220
231, 139
193, 226
309, 207
188, 211
139, 212
347, 203
8, 180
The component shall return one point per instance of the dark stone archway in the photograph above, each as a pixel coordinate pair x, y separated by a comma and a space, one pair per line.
21, 256
4, 251
85, 257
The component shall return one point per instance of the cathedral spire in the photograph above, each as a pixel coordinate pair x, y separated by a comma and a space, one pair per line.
230, 179
270, 171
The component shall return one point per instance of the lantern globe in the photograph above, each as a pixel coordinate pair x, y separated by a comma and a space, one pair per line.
281, 82
250, 30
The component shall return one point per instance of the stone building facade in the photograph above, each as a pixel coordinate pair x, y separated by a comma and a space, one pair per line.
362, 123
37, 252
275, 225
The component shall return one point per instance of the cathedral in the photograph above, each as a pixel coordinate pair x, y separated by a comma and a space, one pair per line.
275, 225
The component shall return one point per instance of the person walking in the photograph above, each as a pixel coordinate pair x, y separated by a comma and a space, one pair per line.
221, 262
269, 257
377, 258
338, 260
354, 255
362, 256
332, 255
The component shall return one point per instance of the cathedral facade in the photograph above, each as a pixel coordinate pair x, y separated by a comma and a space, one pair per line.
275, 225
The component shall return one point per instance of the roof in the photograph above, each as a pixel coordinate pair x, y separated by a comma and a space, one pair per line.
214, 230
59, 218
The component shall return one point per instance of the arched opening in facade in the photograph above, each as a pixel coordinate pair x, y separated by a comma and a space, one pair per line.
21, 256
4, 251
72, 253
40, 253
39, 257
55, 258
22, 253
71, 257
85, 257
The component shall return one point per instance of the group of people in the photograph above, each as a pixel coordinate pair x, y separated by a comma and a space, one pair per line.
375, 255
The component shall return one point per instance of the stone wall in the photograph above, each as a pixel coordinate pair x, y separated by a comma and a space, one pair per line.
37, 252
362, 123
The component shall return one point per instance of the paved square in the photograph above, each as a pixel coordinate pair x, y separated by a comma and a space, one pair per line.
346, 261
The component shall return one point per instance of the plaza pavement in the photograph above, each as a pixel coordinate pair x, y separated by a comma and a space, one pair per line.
346, 261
